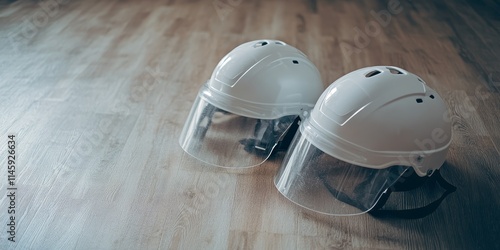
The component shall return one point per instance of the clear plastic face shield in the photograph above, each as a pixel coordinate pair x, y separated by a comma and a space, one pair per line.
322, 183
221, 138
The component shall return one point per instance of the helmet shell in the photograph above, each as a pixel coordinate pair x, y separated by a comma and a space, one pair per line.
379, 117
264, 79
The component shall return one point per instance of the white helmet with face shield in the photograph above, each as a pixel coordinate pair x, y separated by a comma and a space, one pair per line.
367, 130
253, 97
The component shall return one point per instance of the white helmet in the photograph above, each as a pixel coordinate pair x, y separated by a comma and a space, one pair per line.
254, 95
367, 129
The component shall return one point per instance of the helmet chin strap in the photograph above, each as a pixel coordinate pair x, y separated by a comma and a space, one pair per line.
269, 132
287, 137
412, 182
414, 213
205, 121
266, 133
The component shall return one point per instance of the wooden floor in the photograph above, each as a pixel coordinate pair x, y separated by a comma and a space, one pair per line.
96, 93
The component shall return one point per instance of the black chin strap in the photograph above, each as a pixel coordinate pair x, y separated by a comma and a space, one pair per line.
273, 134
205, 120
414, 213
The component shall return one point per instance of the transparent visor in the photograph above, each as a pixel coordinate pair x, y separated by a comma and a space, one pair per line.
319, 182
224, 139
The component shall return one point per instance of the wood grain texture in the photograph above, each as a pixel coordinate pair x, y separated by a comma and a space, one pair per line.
97, 93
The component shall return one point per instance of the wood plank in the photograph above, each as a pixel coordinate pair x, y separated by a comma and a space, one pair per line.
97, 93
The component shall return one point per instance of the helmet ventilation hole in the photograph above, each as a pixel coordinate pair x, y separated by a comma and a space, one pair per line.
279, 43
420, 80
431, 96
394, 71
295, 62
372, 73
419, 100
261, 44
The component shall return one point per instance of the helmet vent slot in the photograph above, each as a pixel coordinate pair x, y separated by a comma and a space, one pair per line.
394, 71
261, 44
372, 73
295, 62
279, 43
419, 100
431, 96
